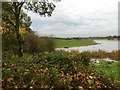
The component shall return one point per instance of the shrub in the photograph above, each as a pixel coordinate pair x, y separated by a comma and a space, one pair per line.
50, 43
31, 42
52, 70
52, 74
9, 42
84, 58
34, 44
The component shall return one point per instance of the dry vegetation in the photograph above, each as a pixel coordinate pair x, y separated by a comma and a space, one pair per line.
114, 55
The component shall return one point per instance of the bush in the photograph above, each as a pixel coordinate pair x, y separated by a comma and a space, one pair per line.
83, 58
34, 44
47, 44
52, 70
9, 42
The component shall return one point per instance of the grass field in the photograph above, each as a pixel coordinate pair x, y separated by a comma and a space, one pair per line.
108, 69
61, 43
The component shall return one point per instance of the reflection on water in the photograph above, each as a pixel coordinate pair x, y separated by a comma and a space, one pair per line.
106, 45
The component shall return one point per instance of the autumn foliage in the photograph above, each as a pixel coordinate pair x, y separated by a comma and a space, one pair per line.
55, 70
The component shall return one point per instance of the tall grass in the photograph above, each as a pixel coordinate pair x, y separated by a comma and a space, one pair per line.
114, 55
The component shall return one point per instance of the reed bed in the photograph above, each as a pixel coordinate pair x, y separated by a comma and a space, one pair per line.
114, 55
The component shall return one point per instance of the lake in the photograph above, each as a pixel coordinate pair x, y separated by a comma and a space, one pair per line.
106, 45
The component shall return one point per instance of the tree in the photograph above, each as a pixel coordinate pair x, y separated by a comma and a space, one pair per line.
14, 9
8, 28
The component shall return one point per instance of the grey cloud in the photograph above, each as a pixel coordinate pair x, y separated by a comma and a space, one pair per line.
97, 23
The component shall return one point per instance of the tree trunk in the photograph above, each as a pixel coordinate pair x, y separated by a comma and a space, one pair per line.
18, 36
20, 44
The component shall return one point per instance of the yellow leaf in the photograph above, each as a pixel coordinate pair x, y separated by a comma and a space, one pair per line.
22, 30
9, 79
70, 79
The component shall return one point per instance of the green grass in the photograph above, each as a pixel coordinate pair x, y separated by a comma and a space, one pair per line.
108, 69
61, 43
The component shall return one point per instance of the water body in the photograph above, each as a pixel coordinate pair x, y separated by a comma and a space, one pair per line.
106, 45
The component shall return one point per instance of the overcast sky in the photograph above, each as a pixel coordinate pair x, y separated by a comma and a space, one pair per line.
83, 18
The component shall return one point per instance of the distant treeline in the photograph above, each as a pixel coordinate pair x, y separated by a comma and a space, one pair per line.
106, 37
